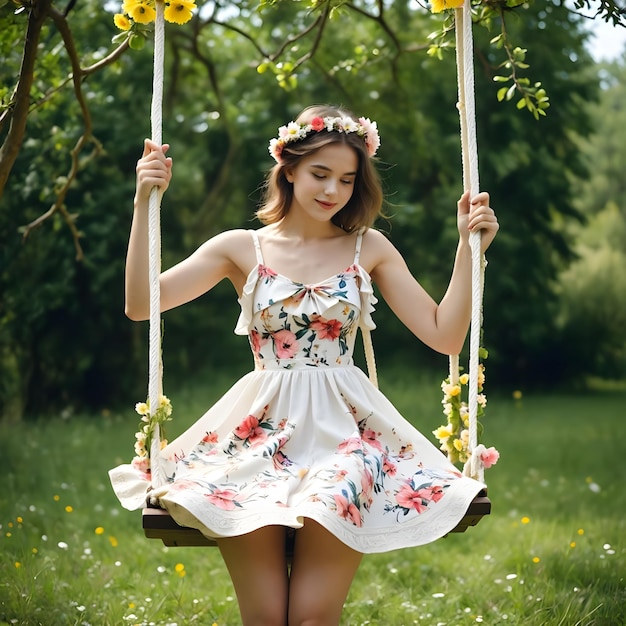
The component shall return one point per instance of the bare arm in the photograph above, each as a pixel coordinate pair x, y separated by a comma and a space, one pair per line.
190, 278
441, 326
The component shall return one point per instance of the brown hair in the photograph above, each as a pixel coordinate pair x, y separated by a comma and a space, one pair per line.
365, 204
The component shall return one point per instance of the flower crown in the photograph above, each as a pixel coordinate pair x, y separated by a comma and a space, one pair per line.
294, 131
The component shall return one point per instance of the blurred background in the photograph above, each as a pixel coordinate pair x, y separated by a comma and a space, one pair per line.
555, 300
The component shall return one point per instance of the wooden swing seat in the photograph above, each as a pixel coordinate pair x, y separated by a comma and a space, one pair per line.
158, 524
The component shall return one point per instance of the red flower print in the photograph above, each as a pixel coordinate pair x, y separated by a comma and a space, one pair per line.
317, 124
348, 510
210, 437
223, 499
251, 430
371, 437
326, 329
285, 344
408, 498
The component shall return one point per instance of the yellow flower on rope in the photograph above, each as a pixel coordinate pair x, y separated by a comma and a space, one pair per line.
441, 5
122, 21
443, 432
179, 11
143, 13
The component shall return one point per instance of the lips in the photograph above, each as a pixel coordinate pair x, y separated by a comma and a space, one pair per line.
326, 205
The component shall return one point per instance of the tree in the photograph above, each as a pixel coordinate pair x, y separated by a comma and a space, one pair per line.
62, 335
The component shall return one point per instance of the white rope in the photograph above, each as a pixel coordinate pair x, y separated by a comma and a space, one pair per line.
469, 148
155, 385
370, 360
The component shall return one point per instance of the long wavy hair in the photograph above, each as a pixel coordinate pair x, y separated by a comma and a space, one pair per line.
365, 204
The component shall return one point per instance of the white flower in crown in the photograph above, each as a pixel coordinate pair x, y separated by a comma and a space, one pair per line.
349, 125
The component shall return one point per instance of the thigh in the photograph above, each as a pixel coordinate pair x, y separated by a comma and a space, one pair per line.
321, 574
257, 566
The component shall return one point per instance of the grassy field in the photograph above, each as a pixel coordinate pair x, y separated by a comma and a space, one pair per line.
552, 552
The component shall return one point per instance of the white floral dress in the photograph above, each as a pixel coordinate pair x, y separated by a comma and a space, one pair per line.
306, 434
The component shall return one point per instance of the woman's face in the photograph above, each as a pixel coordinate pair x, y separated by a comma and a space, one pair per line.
323, 182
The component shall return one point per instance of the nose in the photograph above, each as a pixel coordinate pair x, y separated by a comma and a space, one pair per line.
331, 187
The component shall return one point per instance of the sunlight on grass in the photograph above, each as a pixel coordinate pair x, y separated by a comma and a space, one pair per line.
552, 552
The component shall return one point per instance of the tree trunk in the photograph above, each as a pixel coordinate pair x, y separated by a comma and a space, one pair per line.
21, 100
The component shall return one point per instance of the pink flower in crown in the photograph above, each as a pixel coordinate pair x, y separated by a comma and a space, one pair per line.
348, 510
489, 457
326, 329
372, 138
285, 344
223, 499
317, 124
408, 498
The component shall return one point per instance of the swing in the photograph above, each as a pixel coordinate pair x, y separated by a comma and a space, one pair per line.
157, 523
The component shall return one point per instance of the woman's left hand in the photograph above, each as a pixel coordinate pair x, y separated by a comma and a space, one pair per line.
476, 215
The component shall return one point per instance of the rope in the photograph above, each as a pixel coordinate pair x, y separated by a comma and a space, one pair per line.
155, 385
469, 149
369, 356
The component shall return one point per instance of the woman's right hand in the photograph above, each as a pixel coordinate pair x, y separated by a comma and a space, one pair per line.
154, 169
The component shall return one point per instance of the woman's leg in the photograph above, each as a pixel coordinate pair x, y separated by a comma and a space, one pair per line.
257, 566
321, 574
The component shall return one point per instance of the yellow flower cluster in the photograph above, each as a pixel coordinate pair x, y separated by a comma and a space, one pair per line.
454, 435
144, 436
144, 12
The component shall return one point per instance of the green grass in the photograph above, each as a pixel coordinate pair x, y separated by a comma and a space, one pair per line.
551, 553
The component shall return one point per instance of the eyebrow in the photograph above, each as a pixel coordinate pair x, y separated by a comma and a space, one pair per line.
327, 169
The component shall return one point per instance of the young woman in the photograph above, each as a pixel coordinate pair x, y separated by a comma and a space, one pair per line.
306, 441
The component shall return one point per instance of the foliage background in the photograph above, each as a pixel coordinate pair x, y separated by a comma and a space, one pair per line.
554, 290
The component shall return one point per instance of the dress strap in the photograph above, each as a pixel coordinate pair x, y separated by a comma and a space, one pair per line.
357, 248
257, 247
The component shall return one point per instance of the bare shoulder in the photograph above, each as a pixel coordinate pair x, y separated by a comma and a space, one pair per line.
377, 249
233, 250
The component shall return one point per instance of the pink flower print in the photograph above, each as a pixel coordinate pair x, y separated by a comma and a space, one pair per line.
431, 494
267, 273
251, 430
348, 446
285, 344
389, 468
210, 437
257, 341
348, 510
489, 457
326, 329
408, 498
223, 499
371, 438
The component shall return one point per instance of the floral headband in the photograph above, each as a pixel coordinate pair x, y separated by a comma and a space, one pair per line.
295, 131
